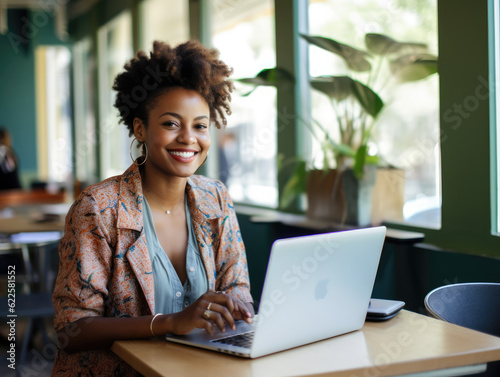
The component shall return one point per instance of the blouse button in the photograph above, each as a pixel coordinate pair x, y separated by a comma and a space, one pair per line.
191, 269
178, 294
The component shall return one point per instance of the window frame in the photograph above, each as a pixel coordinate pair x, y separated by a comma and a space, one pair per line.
469, 169
494, 64
466, 145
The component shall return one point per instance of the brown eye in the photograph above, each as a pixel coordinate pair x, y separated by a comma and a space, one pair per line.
169, 124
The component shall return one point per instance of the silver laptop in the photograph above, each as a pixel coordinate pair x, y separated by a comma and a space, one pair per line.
316, 287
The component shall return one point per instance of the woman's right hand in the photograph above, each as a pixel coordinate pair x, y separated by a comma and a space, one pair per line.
212, 308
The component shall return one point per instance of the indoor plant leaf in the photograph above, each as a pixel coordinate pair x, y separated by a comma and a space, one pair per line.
367, 98
343, 149
335, 87
379, 44
355, 59
359, 161
269, 77
295, 185
362, 159
414, 67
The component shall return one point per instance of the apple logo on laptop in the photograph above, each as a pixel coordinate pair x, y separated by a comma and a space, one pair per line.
321, 289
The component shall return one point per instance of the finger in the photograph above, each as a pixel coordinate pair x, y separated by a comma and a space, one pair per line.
240, 309
217, 319
224, 313
229, 300
222, 299
207, 325
238, 316
235, 305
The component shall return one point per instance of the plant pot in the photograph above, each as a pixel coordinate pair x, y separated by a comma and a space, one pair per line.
325, 196
388, 195
339, 197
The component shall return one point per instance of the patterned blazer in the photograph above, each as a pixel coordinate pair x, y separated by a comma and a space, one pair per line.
105, 269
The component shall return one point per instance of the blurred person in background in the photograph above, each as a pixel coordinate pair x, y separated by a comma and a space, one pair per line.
9, 179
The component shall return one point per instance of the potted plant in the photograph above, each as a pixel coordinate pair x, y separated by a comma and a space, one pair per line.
341, 189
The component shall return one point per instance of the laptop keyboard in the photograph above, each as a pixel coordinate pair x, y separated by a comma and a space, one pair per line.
240, 340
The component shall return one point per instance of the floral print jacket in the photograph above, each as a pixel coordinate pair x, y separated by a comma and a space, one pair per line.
105, 269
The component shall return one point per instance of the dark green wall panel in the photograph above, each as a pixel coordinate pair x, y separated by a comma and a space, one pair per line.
17, 94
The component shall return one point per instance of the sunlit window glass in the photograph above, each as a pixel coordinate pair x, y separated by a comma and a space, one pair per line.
406, 132
85, 130
165, 20
243, 32
115, 48
54, 120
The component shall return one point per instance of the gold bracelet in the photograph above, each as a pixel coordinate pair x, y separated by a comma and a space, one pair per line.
151, 324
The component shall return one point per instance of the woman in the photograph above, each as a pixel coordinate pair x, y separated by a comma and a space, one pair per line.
9, 179
156, 239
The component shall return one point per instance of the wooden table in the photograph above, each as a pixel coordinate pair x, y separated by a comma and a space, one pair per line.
408, 343
19, 224
33, 218
32, 227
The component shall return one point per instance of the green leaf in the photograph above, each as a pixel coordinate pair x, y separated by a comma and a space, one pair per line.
355, 59
379, 44
269, 77
248, 93
295, 185
360, 160
341, 149
414, 67
341, 87
335, 87
367, 98
372, 160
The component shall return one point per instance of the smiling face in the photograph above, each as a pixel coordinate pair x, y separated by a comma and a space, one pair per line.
177, 133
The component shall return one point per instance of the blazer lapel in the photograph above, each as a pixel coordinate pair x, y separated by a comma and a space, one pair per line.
130, 221
206, 215
138, 257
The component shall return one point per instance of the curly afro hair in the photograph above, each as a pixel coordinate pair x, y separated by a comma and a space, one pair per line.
189, 65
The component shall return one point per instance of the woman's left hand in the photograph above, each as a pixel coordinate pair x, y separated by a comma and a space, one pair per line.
218, 302
212, 309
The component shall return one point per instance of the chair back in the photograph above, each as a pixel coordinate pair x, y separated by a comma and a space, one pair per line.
472, 305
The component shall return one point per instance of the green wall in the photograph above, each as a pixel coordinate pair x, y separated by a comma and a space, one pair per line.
17, 94
17, 82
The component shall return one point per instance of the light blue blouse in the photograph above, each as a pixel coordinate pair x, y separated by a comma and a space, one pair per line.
171, 296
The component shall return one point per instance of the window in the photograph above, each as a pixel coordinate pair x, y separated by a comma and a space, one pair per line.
85, 128
53, 114
406, 133
115, 48
165, 20
243, 32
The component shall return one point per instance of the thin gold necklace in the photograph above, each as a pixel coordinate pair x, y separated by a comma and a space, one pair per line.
167, 211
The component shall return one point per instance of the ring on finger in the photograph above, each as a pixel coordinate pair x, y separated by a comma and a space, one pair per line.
206, 314
209, 304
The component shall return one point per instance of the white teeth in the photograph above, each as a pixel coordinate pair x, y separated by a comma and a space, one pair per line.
182, 154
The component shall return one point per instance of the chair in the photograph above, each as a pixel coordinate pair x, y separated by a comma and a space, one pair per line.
34, 304
34, 307
472, 305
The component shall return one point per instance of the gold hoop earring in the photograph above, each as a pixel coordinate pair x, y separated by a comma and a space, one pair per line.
130, 152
